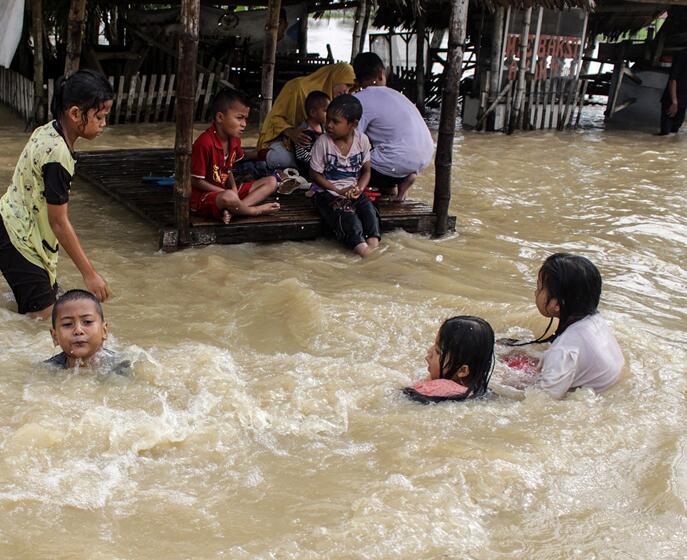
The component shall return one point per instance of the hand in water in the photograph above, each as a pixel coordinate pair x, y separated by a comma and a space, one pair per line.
97, 285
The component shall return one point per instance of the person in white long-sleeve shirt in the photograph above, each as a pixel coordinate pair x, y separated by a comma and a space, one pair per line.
584, 352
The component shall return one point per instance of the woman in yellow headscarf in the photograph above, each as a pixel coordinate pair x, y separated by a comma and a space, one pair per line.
288, 111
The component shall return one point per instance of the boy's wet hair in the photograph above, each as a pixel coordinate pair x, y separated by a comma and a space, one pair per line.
347, 106
74, 295
84, 89
225, 98
315, 100
367, 66
575, 282
467, 340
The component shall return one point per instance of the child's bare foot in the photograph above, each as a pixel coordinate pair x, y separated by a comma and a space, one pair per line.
363, 250
268, 208
226, 217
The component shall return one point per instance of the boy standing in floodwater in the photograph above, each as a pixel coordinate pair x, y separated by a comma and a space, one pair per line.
340, 166
215, 193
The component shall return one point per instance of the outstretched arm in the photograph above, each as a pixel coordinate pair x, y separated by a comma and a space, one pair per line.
66, 236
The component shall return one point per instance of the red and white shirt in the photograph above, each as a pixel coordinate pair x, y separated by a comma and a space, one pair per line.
208, 160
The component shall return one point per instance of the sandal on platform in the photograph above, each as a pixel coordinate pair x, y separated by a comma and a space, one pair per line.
290, 180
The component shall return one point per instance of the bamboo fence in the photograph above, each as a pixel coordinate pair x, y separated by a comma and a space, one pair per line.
16, 91
137, 99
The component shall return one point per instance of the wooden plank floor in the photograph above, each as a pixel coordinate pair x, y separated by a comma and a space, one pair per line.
119, 173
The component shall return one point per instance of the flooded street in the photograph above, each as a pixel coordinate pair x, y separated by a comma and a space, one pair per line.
264, 418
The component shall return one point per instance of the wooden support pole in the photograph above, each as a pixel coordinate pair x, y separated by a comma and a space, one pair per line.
269, 54
358, 21
185, 106
40, 112
516, 114
449, 108
420, 60
77, 12
303, 34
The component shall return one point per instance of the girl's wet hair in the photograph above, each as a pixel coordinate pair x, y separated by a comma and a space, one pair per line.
467, 340
347, 106
575, 282
84, 89
73, 295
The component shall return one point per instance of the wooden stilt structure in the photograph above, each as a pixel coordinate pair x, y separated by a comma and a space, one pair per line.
40, 112
297, 219
269, 54
77, 12
188, 50
447, 122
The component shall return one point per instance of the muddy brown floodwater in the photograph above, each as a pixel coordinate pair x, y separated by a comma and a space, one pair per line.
264, 418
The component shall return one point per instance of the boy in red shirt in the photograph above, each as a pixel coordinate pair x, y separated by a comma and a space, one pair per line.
214, 190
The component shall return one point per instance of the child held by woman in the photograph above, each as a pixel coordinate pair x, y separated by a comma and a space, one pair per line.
340, 166
459, 363
313, 126
584, 352
34, 218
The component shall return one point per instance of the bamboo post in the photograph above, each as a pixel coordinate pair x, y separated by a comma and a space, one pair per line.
358, 20
420, 60
77, 11
537, 36
590, 47
504, 43
581, 106
269, 54
516, 115
39, 108
366, 24
188, 50
580, 54
447, 122
495, 59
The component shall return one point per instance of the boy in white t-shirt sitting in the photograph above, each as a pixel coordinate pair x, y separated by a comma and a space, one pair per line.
340, 166
402, 144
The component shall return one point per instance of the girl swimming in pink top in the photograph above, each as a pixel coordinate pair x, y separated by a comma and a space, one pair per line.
459, 363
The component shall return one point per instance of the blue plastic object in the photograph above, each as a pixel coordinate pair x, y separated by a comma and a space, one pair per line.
159, 181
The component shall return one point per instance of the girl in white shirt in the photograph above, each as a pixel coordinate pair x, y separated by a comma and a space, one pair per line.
584, 352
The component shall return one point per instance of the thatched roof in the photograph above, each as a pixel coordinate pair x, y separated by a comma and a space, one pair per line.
613, 18
393, 14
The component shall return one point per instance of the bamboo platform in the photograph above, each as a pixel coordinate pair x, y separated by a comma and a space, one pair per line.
119, 174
